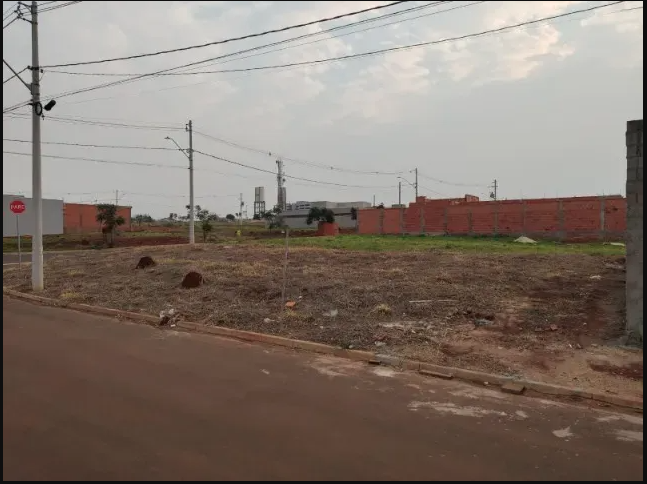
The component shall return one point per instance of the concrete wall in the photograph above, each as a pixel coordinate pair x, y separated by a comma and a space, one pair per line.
581, 218
82, 218
635, 137
52, 217
296, 219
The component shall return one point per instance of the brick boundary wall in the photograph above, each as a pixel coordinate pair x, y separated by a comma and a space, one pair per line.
574, 219
81, 218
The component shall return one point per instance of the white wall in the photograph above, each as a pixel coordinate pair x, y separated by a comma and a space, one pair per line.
52, 217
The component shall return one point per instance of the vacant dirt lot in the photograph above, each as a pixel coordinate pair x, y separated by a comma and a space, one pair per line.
546, 317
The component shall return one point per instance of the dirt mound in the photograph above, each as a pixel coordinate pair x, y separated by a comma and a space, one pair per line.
192, 280
145, 262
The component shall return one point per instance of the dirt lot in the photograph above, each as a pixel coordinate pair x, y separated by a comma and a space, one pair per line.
546, 317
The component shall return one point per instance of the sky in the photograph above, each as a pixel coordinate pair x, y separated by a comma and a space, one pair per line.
542, 109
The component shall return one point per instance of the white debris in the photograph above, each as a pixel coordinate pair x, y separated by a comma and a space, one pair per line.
563, 433
525, 240
167, 316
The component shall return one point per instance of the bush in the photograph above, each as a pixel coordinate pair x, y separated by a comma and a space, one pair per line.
317, 214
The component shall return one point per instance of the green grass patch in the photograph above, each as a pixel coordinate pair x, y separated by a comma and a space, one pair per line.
378, 243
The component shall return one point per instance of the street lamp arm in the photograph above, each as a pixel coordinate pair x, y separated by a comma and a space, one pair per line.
182, 150
407, 181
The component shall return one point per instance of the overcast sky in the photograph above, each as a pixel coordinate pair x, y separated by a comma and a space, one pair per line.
542, 109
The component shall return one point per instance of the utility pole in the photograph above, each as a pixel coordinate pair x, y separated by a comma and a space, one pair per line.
116, 199
416, 183
37, 278
399, 193
240, 213
189, 128
495, 193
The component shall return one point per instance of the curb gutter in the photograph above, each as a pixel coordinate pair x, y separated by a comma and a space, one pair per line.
506, 384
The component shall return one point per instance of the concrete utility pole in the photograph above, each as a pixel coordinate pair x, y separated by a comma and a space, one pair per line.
37, 277
399, 193
240, 213
189, 128
495, 193
189, 154
416, 182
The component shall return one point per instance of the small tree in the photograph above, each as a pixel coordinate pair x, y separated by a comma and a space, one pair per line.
109, 219
317, 214
205, 217
272, 217
230, 217
353, 213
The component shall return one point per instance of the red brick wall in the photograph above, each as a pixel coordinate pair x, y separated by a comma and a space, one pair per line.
82, 218
586, 218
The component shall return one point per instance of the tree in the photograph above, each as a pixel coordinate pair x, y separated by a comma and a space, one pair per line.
353, 213
143, 218
230, 217
273, 218
109, 219
172, 217
205, 217
317, 214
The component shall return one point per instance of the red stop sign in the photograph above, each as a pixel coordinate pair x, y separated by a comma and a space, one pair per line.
17, 207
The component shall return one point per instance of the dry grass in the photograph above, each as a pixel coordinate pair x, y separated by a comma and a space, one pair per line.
538, 315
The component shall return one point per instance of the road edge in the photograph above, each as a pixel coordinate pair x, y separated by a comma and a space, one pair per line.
506, 384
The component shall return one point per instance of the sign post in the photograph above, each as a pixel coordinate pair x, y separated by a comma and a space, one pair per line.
18, 207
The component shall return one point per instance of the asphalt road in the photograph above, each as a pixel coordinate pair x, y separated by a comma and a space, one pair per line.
91, 398
12, 257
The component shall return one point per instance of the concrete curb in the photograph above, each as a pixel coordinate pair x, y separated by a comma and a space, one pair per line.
427, 369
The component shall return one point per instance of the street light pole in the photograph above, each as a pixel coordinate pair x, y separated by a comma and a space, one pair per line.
189, 155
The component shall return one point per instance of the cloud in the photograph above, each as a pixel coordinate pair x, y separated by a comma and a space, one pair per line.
329, 111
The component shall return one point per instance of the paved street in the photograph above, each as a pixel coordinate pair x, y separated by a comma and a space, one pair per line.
91, 398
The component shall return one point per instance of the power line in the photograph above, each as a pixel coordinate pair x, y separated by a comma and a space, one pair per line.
263, 170
12, 21
332, 59
56, 7
217, 139
411, 46
232, 55
13, 76
125, 147
225, 41
169, 125
102, 123
445, 182
97, 160
295, 160
7, 13
146, 164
